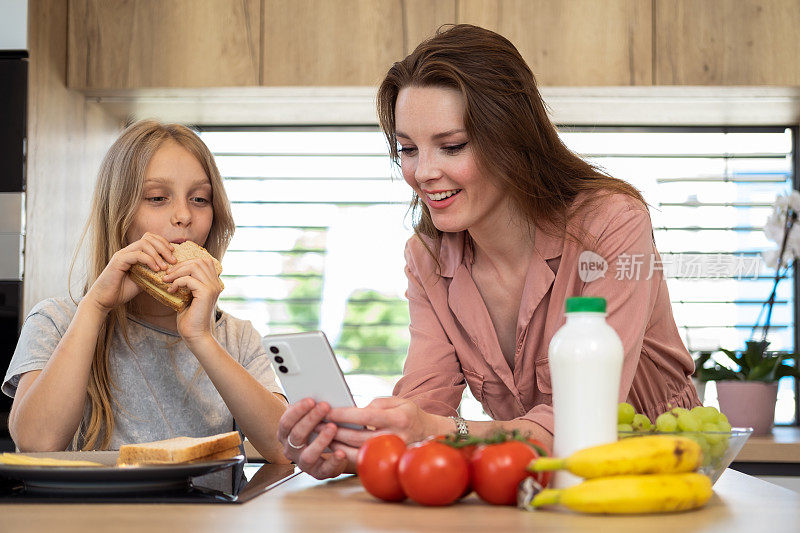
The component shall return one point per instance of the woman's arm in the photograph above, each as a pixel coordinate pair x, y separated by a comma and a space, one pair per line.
49, 404
405, 419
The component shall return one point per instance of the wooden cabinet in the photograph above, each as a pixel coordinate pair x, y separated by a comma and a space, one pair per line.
727, 42
175, 43
423, 17
319, 42
128, 44
573, 42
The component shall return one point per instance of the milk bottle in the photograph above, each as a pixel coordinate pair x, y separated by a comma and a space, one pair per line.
585, 358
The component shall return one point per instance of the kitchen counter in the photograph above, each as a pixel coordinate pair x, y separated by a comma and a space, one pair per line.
741, 503
782, 446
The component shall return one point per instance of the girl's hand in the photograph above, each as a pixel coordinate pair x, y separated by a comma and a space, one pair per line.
199, 276
387, 415
294, 432
113, 287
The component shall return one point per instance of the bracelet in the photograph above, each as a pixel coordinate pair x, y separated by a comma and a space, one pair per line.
461, 426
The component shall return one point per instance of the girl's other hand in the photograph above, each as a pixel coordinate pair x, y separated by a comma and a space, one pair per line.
294, 432
113, 287
196, 321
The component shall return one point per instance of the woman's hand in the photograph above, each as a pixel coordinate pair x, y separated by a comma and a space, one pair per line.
388, 415
199, 276
294, 432
113, 287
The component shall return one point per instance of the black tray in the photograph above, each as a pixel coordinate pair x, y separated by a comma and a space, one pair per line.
221, 481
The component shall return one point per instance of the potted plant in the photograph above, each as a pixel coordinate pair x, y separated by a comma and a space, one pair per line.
747, 396
747, 391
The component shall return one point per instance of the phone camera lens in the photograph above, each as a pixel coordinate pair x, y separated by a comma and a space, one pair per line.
283, 369
274, 349
278, 359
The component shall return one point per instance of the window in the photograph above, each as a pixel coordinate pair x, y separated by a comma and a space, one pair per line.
321, 220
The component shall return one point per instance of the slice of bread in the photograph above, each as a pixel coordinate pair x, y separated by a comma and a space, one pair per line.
151, 282
177, 450
224, 454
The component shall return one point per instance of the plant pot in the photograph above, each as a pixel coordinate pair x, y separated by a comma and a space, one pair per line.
748, 404
700, 387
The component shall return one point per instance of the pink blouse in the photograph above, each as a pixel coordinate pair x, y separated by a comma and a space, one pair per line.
454, 344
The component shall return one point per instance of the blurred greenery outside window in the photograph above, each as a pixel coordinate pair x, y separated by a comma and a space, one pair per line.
322, 217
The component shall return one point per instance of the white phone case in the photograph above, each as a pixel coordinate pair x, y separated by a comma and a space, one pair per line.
307, 368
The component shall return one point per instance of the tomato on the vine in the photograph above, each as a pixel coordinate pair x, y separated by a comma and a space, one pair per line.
543, 478
377, 463
433, 473
497, 470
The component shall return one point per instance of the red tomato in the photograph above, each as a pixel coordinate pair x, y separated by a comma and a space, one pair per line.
497, 470
433, 473
376, 465
543, 478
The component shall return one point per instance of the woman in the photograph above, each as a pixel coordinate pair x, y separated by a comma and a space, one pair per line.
504, 213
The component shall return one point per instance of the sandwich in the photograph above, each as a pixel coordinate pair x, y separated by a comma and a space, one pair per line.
151, 281
181, 450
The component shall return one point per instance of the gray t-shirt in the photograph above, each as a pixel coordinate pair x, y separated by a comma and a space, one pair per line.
161, 390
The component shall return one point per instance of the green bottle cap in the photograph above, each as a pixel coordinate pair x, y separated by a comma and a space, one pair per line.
586, 304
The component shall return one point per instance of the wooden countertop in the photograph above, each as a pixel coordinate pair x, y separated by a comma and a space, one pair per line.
741, 503
782, 446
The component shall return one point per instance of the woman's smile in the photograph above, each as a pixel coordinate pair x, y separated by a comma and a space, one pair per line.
441, 199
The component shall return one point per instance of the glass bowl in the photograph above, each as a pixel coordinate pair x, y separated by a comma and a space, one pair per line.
719, 448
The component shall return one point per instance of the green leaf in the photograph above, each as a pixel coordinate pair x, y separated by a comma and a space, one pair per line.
764, 371
753, 355
786, 371
732, 356
720, 373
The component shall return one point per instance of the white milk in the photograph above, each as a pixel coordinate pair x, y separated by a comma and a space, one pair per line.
585, 366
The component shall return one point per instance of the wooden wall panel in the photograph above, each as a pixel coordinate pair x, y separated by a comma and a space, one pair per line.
573, 42
727, 42
323, 43
67, 138
423, 17
177, 43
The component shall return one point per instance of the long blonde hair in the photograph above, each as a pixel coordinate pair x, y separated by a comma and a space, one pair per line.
117, 194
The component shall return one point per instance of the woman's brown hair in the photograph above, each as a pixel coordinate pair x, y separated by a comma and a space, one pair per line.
117, 195
505, 118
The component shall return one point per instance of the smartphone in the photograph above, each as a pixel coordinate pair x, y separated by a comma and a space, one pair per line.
307, 368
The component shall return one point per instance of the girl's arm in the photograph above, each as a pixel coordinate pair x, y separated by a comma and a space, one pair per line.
49, 404
256, 409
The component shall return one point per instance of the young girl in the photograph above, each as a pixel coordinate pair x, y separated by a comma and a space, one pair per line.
118, 367
505, 212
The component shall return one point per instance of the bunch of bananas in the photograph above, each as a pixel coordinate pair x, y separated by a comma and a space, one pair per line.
653, 474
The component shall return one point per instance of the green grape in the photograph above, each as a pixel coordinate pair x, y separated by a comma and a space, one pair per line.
688, 422
707, 455
641, 423
675, 411
712, 433
624, 428
666, 423
706, 414
723, 425
625, 413
723, 418
717, 450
